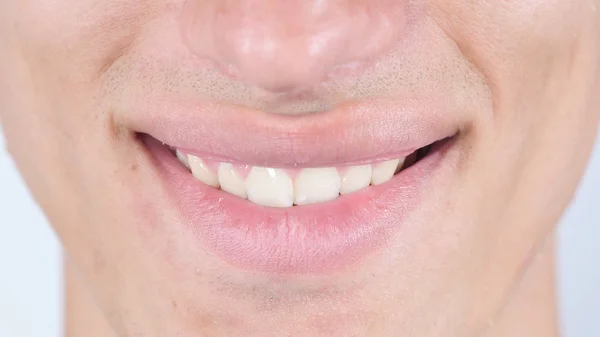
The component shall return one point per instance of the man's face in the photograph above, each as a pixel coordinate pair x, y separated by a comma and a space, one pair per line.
293, 116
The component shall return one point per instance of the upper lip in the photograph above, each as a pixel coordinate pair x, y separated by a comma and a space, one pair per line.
350, 134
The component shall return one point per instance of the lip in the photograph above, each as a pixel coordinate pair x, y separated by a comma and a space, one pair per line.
350, 134
312, 239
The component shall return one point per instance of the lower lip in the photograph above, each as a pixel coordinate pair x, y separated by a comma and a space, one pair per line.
312, 239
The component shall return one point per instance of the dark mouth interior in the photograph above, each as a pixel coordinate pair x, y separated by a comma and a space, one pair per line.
421, 153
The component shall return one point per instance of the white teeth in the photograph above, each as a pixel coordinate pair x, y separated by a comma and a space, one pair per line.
383, 172
314, 185
230, 181
182, 158
356, 178
275, 188
202, 172
270, 187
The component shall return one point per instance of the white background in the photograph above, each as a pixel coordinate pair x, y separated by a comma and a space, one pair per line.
30, 260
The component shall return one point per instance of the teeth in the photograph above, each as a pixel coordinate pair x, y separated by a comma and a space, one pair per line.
230, 181
383, 172
273, 187
182, 158
202, 172
313, 185
356, 178
270, 187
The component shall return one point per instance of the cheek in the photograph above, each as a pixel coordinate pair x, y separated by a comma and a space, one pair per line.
539, 60
76, 41
516, 43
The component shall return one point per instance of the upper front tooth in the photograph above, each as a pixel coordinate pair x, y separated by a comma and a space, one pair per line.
274, 188
383, 172
230, 181
270, 187
202, 172
356, 178
182, 158
313, 185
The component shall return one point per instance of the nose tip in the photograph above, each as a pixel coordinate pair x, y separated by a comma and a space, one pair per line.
282, 45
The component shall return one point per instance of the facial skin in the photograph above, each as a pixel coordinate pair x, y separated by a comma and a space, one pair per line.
518, 81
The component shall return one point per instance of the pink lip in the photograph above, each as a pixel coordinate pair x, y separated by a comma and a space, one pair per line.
312, 239
351, 134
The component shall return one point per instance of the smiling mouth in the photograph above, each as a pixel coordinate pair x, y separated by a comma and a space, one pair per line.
301, 236
291, 187
306, 194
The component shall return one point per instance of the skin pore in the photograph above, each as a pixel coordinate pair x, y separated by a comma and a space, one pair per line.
460, 245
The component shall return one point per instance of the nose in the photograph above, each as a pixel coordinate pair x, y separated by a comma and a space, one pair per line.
284, 45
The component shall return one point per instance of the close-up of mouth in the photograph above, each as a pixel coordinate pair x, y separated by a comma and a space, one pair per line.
367, 168
305, 203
